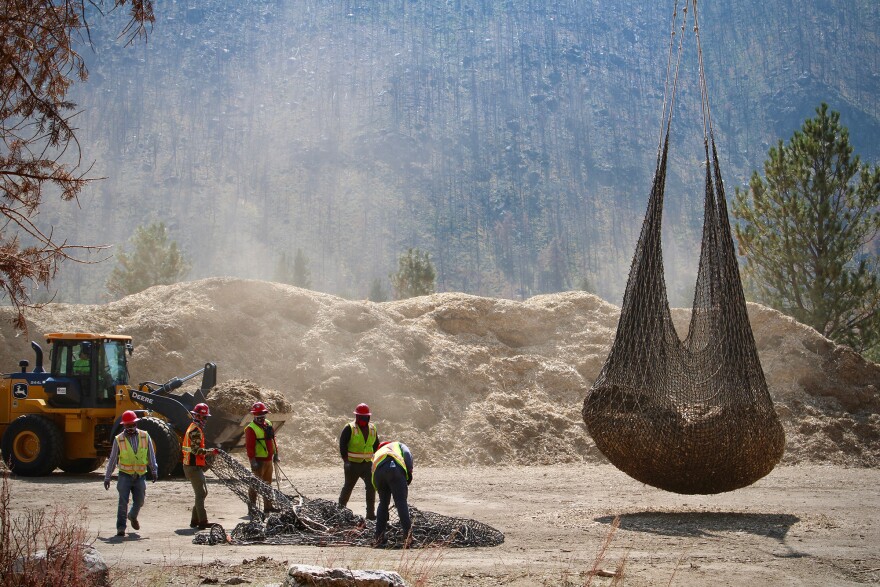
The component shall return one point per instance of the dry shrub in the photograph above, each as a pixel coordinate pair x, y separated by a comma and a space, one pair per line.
52, 532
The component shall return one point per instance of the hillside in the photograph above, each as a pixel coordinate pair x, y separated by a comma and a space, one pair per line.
514, 141
492, 381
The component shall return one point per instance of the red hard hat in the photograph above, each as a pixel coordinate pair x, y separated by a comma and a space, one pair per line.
201, 410
362, 410
259, 409
381, 444
129, 417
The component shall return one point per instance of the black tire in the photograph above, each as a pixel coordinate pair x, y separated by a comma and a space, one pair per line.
81, 466
32, 446
165, 444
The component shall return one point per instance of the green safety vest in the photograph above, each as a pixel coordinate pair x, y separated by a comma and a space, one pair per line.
360, 449
261, 451
389, 450
81, 367
130, 462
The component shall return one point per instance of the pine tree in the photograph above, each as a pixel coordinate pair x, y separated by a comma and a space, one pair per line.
302, 275
377, 292
154, 261
803, 230
415, 275
284, 269
40, 152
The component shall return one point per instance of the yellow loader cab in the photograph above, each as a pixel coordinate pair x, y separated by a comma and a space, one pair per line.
66, 413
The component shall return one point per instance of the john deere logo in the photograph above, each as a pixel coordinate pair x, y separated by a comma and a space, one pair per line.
20, 390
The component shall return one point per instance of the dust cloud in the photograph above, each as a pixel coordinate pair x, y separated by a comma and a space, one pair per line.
461, 379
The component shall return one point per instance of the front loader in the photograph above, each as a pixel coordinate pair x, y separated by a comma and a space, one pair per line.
65, 414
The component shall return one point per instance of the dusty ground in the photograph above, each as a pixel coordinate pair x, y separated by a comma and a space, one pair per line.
801, 525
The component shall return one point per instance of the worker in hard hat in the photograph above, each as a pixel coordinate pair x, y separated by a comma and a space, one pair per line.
133, 451
357, 443
195, 463
262, 452
392, 468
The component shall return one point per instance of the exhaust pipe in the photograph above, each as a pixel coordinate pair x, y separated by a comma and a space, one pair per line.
38, 367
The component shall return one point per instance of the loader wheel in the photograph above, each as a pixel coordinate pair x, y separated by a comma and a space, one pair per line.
165, 444
81, 466
32, 446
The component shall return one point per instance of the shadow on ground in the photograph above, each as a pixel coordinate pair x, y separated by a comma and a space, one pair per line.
696, 524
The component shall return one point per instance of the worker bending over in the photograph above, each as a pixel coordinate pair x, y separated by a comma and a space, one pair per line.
392, 474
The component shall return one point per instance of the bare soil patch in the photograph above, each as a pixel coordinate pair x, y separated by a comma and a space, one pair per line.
800, 525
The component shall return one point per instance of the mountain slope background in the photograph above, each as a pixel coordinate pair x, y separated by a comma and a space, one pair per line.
513, 141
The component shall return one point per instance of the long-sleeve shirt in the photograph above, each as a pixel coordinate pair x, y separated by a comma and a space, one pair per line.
407, 459
346, 436
114, 457
250, 443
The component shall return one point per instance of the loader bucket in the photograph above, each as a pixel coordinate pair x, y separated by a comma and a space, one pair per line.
226, 431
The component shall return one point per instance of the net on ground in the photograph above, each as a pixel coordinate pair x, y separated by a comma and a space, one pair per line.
320, 522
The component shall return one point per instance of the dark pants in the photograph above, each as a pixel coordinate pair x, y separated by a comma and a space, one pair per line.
135, 487
353, 472
391, 483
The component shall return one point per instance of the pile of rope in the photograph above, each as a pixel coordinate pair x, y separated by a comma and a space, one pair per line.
319, 522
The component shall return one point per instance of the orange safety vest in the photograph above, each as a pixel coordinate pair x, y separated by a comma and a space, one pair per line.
131, 462
188, 449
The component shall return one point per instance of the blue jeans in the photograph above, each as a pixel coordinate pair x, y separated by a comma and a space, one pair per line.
137, 488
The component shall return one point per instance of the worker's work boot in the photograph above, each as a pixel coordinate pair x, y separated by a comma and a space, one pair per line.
371, 515
134, 523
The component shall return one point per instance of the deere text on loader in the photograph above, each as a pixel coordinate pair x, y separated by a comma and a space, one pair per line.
65, 414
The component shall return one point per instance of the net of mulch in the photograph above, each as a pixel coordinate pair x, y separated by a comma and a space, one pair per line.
237, 396
320, 522
689, 450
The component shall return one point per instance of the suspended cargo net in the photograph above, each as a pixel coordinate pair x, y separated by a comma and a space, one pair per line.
319, 522
692, 416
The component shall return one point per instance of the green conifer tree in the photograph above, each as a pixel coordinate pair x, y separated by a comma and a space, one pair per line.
155, 260
802, 233
284, 269
415, 275
377, 292
302, 275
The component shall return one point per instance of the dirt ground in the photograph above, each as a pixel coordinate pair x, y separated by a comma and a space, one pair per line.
800, 525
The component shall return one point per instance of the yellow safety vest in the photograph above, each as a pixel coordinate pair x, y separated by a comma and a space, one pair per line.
130, 462
261, 451
360, 449
392, 450
81, 367
188, 449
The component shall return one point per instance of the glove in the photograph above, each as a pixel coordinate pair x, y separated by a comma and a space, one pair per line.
107, 484
275, 458
215, 451
409, 480
254, 465
154, 478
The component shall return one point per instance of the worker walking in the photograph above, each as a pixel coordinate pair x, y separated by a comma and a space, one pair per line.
133, 452
195, 463
392, 473
357, 443
262, 452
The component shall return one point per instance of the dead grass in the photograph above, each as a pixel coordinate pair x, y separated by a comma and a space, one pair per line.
42, 548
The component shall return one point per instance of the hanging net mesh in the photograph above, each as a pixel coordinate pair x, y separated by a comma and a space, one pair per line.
319, 522
690, 416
